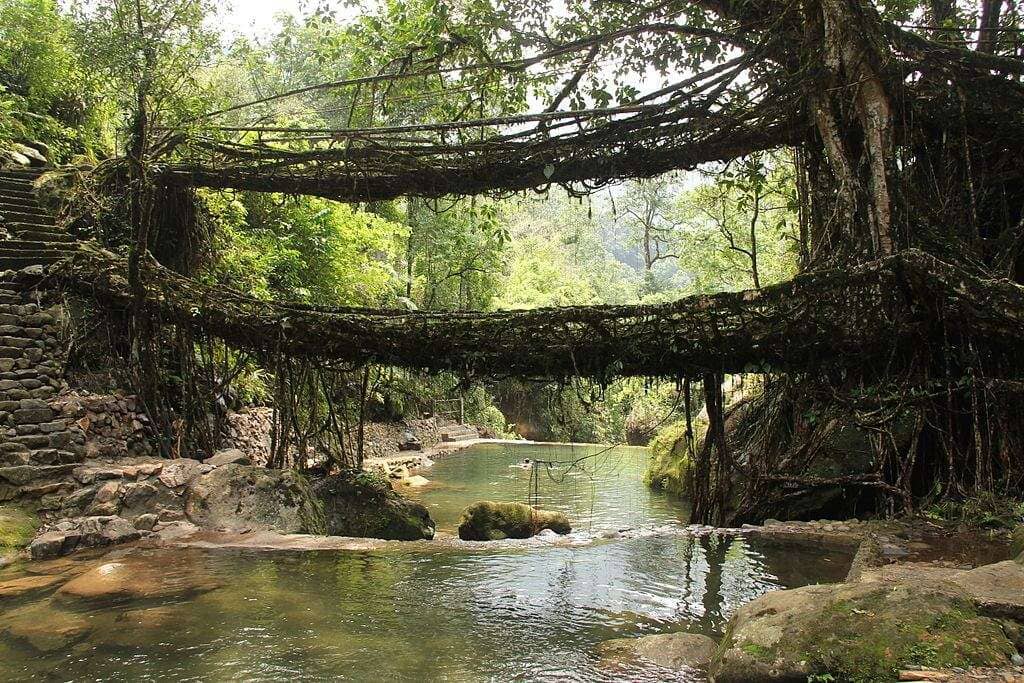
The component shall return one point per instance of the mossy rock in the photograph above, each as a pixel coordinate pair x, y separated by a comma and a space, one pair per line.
240, 497
857, 632
17, 528
365, 505
489, 521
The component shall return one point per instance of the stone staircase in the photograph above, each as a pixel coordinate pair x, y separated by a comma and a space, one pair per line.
37, 446
458, 433
32, 236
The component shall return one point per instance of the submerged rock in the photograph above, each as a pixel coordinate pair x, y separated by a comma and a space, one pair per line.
45, 627
364, 505
135, 578
489, 521
237, 497
857, 631
13, 588
676, 651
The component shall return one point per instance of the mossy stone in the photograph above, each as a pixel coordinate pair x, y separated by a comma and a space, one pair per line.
17, 528
860, 632
489, 521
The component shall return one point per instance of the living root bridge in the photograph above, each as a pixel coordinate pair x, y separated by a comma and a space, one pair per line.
818, 320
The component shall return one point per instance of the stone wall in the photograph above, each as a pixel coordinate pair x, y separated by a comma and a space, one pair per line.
38, 441
249, 431
111, 423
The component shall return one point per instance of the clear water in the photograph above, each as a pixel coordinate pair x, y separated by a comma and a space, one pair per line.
428, 611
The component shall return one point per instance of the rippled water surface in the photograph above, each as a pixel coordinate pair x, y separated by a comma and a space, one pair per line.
417, 612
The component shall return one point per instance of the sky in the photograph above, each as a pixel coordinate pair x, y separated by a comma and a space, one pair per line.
256, 17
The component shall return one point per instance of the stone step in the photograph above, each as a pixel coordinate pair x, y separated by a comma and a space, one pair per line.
23, 186
458, 433
19, 195
34, 244
27, 218
27, 204
36, 234
45, 250
28, 223
19, 262
24, 175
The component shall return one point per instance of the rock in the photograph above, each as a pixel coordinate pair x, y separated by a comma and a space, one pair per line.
238, 497
857, 631
676, 651
33, 155
997, 590
14, 588
44, 627
106, 501
180, 472
415, 481
14, 158
137, 578
146, 522
17, 528
229, 456
365, 505
489, 521
49, 545
82, 532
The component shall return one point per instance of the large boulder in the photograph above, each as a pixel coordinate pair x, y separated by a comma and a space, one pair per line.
997, 590
857, 631
363, 504
240, 498
489, 521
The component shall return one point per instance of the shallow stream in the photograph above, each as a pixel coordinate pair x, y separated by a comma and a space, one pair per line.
426, 611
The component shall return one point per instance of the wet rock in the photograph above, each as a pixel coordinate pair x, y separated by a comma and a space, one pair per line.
676, 651
14, 588
229, 456
237, 497
137, 578
51, 544
490, 521
365, 505
45, 627
857, 631
70, 535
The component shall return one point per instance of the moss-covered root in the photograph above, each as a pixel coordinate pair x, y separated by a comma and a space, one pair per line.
490, 521
17, 528
861, 632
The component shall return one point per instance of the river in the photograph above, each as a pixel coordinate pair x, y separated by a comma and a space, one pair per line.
427, 611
